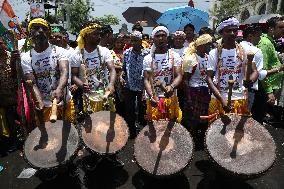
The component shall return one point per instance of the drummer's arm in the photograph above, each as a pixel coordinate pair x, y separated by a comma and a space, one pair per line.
112, 76
34, 90
147, 84
178, 78
254, 74
63, 69
75, 77
213, 88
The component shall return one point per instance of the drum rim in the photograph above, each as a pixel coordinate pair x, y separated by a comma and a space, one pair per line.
232, 173
63, 163
98, 153
173, 174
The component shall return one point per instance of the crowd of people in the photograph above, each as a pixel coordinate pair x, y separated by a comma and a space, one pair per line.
181, 76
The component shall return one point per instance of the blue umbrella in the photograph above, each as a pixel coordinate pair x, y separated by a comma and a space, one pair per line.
176, 18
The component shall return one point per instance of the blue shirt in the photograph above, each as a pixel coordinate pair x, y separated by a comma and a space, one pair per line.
133, 67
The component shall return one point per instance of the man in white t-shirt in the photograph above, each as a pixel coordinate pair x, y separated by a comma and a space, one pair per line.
162, 74
99, 75
228, 62
197, 91
47, 66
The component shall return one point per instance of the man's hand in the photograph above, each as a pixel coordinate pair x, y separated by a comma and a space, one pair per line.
226, 107
271, 99
247, 84
73, 88
86, 87
169, 91
122, 81
154, 101
110, 89
57, 94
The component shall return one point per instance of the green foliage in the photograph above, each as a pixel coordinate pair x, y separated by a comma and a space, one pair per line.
108, 19
224, 9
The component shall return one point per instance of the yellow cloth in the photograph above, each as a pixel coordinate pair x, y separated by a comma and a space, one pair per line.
240, 107
4, 129
83, 32
98, 106
145, 44
38, 21
172, 110
69, 113
190, 59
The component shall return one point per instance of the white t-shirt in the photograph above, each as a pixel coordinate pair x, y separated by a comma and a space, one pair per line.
45, 67
181, 51
230, 65
162, 67
258, 60
93, 65
198, 79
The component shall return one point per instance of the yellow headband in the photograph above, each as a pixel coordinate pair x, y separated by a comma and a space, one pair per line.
83, 32
38, 21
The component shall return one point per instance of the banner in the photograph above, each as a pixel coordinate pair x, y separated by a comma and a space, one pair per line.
9, 23
37, 10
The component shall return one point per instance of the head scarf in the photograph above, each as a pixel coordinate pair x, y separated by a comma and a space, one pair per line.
160, 28
38, 21
84, 31
190, 59
55, 30
179, 33
136, 34
229, 22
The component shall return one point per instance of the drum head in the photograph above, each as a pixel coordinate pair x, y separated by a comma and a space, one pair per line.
163, 148
240, 145
104, 132
51, 145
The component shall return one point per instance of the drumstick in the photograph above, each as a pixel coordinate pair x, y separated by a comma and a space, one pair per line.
35, 96
230, 83
53, 116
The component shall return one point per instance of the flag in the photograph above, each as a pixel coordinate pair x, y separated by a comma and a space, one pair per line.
9, 23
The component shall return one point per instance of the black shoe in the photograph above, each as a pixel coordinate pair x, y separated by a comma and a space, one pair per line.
115, 161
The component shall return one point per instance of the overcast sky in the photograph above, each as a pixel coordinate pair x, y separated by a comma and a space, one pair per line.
117, 7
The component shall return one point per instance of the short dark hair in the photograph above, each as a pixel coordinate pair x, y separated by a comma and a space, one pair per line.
137, 27
205, 30
189, 25
271, 22
251, 29
106, 29
145, 36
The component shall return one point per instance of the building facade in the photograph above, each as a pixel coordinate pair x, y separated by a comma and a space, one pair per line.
256, 7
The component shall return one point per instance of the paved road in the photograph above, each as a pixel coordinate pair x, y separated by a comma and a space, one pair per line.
199, 174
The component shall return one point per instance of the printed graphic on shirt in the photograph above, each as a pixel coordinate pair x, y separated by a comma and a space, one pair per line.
162, 69
199, 71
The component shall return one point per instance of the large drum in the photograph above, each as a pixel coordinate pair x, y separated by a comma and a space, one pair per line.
51, 145
104, 132
240, 145
163, 148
